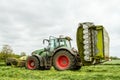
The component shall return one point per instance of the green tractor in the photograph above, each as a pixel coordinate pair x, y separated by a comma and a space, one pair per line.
58, 54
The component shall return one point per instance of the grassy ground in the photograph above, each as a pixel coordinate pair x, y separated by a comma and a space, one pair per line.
97, 72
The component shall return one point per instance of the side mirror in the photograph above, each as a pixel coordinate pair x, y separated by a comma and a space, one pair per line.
45, 41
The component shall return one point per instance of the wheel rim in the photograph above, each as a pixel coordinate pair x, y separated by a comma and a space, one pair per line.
31, 64
63, 62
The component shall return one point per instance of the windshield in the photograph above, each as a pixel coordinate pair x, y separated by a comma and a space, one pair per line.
64, 42
58, 42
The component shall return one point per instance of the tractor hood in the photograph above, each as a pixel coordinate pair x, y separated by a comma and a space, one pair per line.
40, 51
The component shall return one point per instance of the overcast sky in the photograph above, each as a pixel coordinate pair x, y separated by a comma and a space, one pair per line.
25, 23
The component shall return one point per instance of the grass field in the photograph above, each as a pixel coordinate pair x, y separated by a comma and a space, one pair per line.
106, 71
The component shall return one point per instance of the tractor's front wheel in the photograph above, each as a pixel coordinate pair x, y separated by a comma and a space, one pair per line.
63, 60
32, 63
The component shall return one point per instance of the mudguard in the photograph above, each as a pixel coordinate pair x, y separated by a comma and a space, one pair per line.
64, 48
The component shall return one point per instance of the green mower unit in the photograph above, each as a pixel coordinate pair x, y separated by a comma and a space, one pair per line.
92, 43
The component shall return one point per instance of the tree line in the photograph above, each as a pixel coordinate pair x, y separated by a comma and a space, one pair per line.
7, 52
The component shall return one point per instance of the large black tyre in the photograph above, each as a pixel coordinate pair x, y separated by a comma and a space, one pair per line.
63, 60
32, 63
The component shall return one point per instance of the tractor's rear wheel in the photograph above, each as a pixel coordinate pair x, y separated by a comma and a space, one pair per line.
63, 60
32, 63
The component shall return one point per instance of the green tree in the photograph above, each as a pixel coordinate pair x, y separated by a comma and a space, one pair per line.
6, 51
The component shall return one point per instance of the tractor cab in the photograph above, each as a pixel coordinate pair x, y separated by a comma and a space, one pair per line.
54, 43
